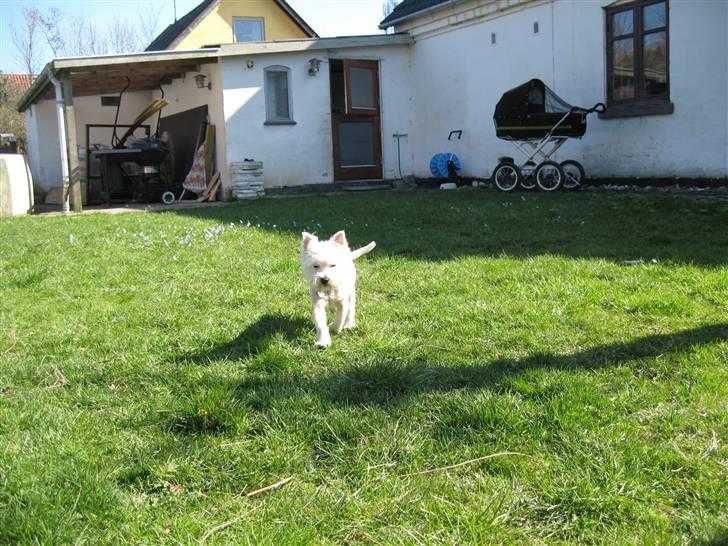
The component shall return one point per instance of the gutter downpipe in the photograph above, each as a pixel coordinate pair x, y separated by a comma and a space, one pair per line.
60, 114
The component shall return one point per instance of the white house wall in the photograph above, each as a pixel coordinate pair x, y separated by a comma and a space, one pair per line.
690, 142
43, 146
458, 77
303, 153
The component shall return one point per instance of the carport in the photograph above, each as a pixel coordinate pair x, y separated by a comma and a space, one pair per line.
73, 78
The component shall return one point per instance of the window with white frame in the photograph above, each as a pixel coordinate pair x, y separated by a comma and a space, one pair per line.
248, 30
278, 95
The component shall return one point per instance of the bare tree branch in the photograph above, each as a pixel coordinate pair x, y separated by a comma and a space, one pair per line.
123, 37
50, 25
148, 25
25, 40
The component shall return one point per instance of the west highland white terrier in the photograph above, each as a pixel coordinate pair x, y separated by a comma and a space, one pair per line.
329, 269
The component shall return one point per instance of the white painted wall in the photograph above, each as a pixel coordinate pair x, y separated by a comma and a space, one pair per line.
41, 123
458, 77
89, 111
303, 153
44, 154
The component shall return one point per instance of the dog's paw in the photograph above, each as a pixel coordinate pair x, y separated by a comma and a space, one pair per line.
349, 325
323, 343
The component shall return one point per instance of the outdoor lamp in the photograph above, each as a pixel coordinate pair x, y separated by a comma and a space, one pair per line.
200, 81
313, 66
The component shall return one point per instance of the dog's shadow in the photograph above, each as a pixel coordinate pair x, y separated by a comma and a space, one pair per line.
255, 339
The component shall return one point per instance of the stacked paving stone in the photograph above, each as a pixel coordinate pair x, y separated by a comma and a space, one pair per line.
247, 179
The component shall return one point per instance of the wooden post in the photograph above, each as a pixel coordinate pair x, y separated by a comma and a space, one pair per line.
72, 143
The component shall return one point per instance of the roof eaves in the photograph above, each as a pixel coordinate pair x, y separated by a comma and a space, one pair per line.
170, 35
314, 44
392, 18
57, 66
36, 88
285, 6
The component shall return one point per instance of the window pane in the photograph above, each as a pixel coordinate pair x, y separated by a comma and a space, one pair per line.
653, 16
654, 59
276, 95
248, 30
356, 144
362, 87
623, 23
623, 69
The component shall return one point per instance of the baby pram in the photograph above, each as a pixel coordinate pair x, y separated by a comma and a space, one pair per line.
538, 123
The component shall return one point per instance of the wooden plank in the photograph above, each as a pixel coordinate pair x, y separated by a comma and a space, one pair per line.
209, 152
210, 190
75, 197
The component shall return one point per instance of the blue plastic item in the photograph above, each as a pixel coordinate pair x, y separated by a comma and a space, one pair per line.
442, 163
434, 169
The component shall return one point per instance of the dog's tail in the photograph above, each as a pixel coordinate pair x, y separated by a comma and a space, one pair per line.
363, 250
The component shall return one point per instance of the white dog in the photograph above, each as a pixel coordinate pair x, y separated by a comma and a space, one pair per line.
329, 269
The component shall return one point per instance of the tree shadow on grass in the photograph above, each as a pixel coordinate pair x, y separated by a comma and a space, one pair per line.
255, 339
390, 382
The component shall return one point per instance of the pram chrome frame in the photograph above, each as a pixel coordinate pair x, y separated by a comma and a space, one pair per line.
547, 174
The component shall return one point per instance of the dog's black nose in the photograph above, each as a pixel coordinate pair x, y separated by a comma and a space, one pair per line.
324, 280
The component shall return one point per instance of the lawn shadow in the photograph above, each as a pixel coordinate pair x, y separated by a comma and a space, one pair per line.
255, 339
392, 382
437, 226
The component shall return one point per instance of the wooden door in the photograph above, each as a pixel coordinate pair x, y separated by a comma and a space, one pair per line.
356, 119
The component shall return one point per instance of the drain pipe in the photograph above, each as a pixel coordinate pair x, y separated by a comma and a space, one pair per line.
60, 114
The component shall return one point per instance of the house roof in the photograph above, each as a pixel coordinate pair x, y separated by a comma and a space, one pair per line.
100, 74
173, 31
19, 82
411, 8
314, 44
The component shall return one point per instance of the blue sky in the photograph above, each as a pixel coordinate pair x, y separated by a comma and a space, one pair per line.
327, 17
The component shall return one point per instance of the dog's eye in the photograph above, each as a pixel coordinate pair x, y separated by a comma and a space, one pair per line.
332, 265
315, 266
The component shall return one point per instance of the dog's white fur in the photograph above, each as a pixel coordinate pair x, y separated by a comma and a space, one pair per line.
328, 266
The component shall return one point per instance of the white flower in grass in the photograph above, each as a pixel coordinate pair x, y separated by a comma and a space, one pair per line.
71, 239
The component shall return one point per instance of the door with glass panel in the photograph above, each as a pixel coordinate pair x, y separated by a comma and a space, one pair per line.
355, 119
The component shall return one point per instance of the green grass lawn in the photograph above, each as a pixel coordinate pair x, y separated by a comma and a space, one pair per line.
157, 367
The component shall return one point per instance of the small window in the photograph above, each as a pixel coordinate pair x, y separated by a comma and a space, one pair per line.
535, 27
637, 54
248, 30
110, 101
492, 38
278, 95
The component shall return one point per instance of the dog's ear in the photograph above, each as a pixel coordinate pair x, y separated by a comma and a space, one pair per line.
340, 238
307, 239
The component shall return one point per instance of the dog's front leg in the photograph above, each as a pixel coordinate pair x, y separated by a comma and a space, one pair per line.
342, 313
323, 338
350, 321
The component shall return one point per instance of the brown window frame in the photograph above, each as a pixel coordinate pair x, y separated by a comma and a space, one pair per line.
640, 104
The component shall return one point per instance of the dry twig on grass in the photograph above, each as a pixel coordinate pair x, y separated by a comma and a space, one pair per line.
269, 487
471, 461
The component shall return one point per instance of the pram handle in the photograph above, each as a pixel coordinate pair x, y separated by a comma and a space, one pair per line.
459, 132
599, 108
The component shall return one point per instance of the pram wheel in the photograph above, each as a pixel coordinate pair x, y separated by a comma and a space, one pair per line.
528, 181
573, 174
168, 198
507, 176
549, 176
